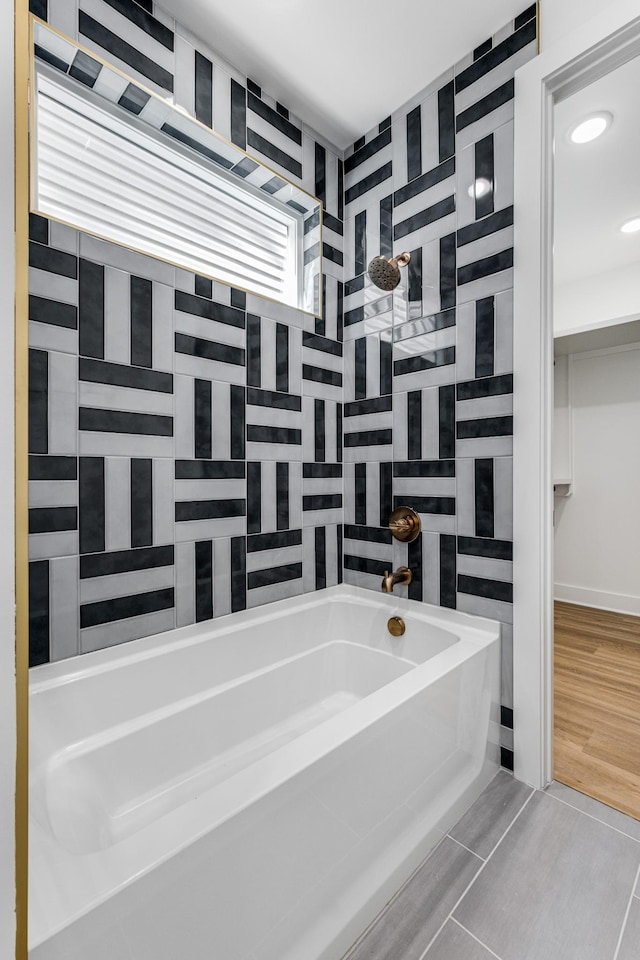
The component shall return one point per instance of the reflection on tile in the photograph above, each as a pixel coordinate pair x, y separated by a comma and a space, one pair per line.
484, 825
558, 864
405, 928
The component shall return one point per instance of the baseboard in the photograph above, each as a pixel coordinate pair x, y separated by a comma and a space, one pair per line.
616, 602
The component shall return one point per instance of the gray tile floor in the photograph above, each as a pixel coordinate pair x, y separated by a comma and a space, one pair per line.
525, 875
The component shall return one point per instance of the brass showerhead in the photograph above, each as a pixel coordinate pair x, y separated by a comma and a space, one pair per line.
384, 272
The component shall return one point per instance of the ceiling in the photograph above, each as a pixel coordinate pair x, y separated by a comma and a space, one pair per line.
343, 65
597, 184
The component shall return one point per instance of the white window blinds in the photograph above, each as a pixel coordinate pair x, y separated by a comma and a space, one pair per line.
102, 172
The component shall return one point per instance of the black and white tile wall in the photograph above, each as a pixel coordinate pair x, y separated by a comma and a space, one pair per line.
428, 370
187, 439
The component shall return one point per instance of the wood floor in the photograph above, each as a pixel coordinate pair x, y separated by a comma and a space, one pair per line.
597, 704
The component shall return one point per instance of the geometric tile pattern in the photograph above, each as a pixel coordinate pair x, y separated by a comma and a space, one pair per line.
171, 479
428, 414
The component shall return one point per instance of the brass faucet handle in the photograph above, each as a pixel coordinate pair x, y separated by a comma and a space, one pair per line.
404, 524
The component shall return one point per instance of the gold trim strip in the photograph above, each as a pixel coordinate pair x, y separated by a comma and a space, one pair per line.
170, 101
22, 51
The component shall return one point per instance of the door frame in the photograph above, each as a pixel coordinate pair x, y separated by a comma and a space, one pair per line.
588, 53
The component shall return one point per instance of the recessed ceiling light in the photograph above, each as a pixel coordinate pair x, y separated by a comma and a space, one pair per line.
590, 128
631, 226
479, 188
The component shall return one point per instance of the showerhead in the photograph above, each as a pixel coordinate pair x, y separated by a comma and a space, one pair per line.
384, 272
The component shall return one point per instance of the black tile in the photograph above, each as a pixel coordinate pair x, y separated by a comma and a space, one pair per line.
54, 261
484, 498
38, 611
321, 471
187, 510
122, 375
486, 387
482, 49
447, 421
486, 105
238, 299
118, 421
386, 366
208, 350
142, 18
314, 342
273, 575
448, 571
319, 430
332, 254
238, 116
203, 287
269, 150
435, 212
202, 425
525, 16
125, 561
91, 309
274, 185
253, 88
384, 124
141, 322
283, 111
377, 568
141, 503
282, 496
52, 519
438, 506
414, 143
506, 758
368, 438
368, 534
134, 99
360, 241
425, 468
277, 121
322, 501
425, 361
38, 228
254, 366
386, 498
320, 556
204, 580
254, 497
446, 122
282, 357
487, 589
320, 375
360, 491
360, 363
499, 54
358, 408
200, 306
414, 279
203, 89
486, 267
448, 271
359, 143
92, 505
368, 150
38, 401
274, 541
485, 427
237, 419
53, 468
368, 183
39, 8
84, 68
484, 228
238, 574
119, 48
485, 337
270, 398
386, 226
257, 433
414, 562
481, 547
123, 608
340, 190
48, 57
484, 172
429, 179
414, 425
506, 717
209, 470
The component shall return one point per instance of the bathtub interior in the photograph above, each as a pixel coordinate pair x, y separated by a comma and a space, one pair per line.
359, 760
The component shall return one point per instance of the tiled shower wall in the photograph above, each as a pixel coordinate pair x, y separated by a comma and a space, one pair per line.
185, 438
428, 370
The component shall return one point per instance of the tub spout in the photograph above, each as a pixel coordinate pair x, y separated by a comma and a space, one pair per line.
402, 575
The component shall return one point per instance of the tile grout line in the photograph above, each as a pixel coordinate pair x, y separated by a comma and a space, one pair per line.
470, 884
468, 849
626, 914
591, 816
473, 936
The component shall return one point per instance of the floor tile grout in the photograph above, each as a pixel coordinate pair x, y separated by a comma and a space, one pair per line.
626, 915
473, 936
469, 885
468, 849
591, 816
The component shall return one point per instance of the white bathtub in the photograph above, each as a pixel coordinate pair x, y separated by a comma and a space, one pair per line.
255, 787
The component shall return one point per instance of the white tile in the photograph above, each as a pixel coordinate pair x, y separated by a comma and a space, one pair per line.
109, 397
42, 546
64, 616
163, 300
117, 503
53, 493
63, 404
185, 584
117, 316
121, 631
94, 444
46, 336
163, 501
126, 584
42, 283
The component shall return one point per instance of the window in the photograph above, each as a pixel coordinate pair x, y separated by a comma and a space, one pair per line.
108, 173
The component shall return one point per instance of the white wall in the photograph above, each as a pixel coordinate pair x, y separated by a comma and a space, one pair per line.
597, 528
597, 300
7, 594
560, 17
